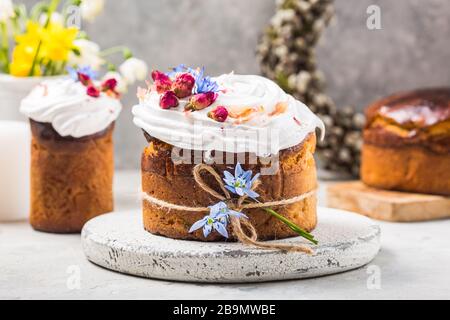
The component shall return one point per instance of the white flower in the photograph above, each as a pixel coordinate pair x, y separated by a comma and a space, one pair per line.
121, 83
89, 54
6, 10
90, 9
57, 18
133, 69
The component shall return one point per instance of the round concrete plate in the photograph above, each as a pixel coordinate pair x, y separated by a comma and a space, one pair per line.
117, 241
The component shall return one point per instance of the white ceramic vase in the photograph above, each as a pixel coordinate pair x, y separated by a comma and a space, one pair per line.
12, 91
15, 143
15, 137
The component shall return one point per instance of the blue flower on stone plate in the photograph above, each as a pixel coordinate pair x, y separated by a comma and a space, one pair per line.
86, 70
217, 220
241, 183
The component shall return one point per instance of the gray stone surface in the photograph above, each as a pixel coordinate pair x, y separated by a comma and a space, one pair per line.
117, 241
361, 65
413, 264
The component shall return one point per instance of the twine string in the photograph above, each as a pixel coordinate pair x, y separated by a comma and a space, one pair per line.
251, 237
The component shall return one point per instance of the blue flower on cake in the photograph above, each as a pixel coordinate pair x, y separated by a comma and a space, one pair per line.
241, 183
217, 219
203, 84
86, 70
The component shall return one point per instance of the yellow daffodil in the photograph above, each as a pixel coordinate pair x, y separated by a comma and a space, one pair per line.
22, 60
57, 42
25, 51
54, 42
32, 36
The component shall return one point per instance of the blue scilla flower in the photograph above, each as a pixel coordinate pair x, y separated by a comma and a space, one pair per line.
241, 183
217, 220
86, 70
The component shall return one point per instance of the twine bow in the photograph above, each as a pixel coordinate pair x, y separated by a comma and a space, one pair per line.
237, 224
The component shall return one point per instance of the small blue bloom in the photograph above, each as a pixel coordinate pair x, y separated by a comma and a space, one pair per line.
178, 69
241, 183
221, 210
203, 83
217, 220
87, 70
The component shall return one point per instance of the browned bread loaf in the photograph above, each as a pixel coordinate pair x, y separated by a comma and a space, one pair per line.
407, 142
174, 183
71, 178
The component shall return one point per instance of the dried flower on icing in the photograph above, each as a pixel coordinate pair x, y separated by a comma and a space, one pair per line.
183, 85
203, 83
297, 121
178, 69
217, 220
162, 81
244, 114
142, 93
92, 91
86, 76
84, 79
280, 108
219, 114
87, 73
168, 100
109, 84
201, 101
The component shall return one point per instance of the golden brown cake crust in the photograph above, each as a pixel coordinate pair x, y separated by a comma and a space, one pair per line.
71, 179
162, 179
412, 169
415, 118
407, 142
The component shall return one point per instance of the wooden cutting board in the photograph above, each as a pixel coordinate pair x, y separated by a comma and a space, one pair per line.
387, 205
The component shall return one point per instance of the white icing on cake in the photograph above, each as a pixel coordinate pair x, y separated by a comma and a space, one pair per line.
262, 134
65, 104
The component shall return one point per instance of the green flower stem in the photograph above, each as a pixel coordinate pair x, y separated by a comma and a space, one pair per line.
5, 45
292, 226
118, 49
48, 67
52, 8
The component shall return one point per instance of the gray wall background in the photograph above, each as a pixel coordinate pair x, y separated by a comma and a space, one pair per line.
411, 50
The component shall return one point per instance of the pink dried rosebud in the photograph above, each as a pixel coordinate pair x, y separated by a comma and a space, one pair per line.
109, 84
162, 81
84, 79
201, 101
168, 100
219, 114
183, 85
93, 91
